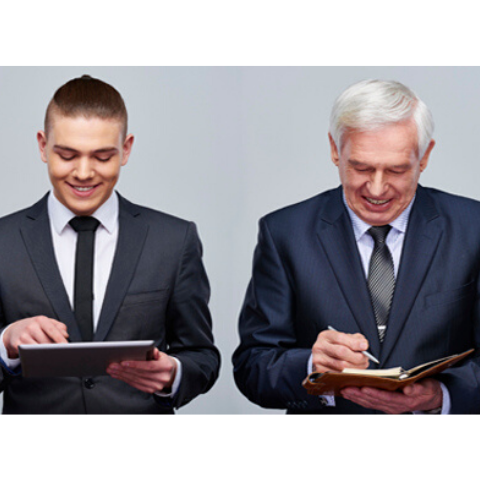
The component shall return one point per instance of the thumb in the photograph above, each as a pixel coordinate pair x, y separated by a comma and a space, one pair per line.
409, 390
156, 354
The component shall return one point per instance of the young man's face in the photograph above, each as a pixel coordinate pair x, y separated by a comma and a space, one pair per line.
84, 156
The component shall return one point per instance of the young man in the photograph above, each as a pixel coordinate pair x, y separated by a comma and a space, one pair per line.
147, 280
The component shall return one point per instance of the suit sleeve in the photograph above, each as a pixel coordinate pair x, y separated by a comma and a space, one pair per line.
189, 324
269, 364
463, 381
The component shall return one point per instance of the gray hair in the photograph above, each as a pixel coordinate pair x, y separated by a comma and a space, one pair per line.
373, 104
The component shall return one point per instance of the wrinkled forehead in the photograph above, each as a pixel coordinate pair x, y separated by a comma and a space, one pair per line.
405, 132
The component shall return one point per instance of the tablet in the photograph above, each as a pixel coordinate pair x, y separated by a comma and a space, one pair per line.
82, 359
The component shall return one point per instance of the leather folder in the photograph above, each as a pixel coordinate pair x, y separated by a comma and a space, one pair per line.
330, 383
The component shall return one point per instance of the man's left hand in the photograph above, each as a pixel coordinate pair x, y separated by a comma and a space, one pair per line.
421, 396
150, 376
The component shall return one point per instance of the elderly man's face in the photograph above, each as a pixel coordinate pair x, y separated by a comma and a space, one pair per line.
379, 170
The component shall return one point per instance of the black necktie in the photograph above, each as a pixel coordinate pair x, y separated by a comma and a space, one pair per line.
83, 293
381, 278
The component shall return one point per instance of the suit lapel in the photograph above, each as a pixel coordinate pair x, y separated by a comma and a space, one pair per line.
131, 238
421, 241
337, 238
37, 236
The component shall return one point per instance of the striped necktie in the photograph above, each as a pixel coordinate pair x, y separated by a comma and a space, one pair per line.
381, 278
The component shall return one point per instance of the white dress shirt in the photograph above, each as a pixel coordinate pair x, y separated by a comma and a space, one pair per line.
365, 244
65, 243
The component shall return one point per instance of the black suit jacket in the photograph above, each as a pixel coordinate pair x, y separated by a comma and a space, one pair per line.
307, 275
158, 289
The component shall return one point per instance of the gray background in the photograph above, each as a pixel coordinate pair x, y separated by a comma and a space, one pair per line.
225, 145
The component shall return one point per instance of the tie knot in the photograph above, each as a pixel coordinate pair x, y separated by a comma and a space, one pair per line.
84, 224
379, 234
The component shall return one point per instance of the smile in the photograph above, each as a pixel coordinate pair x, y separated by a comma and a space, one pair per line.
377, 202
83, 191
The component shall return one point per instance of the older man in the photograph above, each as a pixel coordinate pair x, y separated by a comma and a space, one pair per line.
389, 265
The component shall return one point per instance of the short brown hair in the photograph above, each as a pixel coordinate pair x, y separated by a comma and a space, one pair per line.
89, 97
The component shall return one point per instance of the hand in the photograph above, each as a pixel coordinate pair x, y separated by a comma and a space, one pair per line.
421, 396
150, 375
32, 331
334, 351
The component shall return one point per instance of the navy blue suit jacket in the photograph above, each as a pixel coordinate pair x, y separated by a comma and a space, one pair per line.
307, 274
158, 290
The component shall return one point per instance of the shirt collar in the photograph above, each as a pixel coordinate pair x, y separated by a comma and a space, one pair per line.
360, 227
60, 215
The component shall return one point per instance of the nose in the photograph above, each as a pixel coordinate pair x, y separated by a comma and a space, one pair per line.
84, 170
377, 185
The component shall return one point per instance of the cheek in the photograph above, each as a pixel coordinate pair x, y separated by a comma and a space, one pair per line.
405, 187
58, 171
353, 182
109, 172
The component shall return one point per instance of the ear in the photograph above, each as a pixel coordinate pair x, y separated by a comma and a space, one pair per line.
127, 148
426, 156
333, 151
42, 143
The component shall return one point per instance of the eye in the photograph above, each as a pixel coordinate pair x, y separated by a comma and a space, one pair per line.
103, 158
67, 157
398, 171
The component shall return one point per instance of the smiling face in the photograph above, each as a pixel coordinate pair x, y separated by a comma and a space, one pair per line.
84, 156
379, 170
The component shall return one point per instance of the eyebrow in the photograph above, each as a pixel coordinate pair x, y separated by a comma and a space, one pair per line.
357, 163
73, 150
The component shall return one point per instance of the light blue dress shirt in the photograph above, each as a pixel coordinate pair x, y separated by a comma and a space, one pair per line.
365, 244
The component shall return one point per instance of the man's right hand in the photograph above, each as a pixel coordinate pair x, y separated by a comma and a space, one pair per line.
334, 351
31, 331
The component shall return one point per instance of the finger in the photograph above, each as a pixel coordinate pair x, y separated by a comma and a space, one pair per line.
376, 399
57, 332
159, 363
372, 405
409, 390
138, 383
356, 342
33, 334
344, 353
146, 384
335, 345
157, 378
324, 363
45, 330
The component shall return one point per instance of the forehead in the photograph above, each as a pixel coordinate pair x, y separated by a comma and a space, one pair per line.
79, 131
389, 143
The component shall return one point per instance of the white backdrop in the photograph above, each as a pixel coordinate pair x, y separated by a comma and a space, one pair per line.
223, 146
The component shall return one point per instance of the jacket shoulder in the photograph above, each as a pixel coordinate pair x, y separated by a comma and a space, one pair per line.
305, 211
15, 219
453, 205
156, 219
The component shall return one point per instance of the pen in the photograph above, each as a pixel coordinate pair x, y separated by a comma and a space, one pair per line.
368, 355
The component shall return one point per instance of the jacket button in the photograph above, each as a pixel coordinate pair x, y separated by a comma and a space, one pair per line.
89, 383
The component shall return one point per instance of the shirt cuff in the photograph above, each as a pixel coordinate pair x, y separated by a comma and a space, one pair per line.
10, 363
176, 382
326, 400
